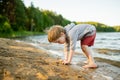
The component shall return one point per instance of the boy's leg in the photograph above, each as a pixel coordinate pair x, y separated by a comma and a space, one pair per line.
86, 61
88, 52
85, 43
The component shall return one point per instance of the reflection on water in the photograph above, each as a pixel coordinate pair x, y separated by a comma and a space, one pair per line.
107, 43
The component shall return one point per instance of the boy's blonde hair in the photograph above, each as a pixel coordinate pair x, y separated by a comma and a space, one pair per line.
55, 32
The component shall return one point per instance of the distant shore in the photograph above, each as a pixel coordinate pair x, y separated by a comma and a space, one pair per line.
21, 61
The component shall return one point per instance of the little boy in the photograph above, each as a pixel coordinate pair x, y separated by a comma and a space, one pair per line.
69, 35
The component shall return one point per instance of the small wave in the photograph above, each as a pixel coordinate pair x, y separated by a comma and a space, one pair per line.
56, 53
112, 62
103, 39
102, 77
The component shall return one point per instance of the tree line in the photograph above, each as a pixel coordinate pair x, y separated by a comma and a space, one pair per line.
15, 16
102, 27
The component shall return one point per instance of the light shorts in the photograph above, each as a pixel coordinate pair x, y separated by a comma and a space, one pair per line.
89, 40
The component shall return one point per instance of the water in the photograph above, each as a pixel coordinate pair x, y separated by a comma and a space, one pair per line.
109, 41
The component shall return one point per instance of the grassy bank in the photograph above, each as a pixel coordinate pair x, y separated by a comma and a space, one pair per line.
20, 34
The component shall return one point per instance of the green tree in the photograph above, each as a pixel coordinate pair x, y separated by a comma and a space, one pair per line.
7, 9
20, 15
100, 27
5, 26
117, 28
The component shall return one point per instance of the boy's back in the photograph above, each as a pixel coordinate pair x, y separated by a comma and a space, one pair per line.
77, 32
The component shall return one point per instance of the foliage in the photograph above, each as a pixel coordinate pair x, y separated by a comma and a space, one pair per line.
25, 33
20, 15
117, 28
14, 16
100, 27
5, 26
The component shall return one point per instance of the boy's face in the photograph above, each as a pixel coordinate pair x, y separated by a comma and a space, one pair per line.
61, 39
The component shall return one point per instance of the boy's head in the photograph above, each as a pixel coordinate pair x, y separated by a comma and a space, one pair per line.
56, 34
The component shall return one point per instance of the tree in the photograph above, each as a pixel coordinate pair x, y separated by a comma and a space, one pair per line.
5, 26
117, 28
7, 9
20, 15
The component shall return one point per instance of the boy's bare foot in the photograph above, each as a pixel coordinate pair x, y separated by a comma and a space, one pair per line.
91, 66
86, 62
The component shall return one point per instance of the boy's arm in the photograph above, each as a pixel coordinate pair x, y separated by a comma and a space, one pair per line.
69, 58
70, 55
72, 43
66, 49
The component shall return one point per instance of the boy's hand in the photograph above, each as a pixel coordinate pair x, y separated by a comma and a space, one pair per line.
65, 62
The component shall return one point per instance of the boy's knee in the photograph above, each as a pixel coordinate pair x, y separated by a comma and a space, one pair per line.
83, 47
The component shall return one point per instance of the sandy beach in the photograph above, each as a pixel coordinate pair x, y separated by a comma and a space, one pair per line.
22, 61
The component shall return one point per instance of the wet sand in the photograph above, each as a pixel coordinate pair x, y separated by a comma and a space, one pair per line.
21, 61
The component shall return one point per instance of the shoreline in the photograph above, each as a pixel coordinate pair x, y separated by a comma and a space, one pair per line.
21, 61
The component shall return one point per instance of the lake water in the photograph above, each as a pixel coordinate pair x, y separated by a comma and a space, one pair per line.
109, 41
